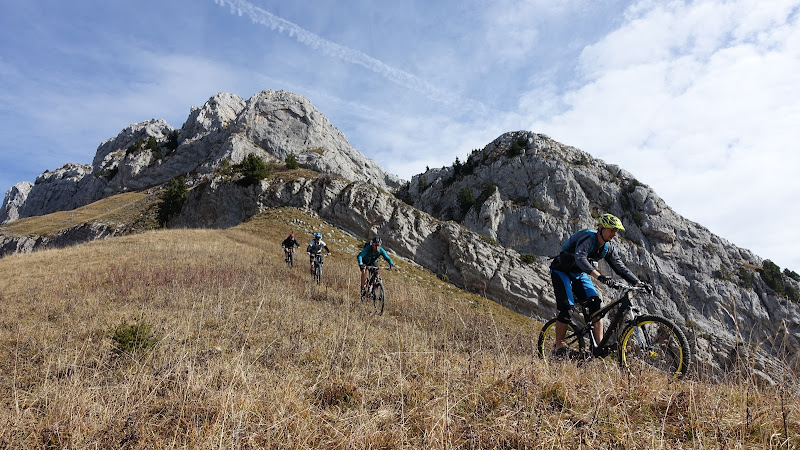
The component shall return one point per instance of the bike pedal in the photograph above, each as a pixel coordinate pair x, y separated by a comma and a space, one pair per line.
601, 352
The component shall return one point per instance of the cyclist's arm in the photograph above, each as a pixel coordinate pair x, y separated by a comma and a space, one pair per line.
386, 257
361, 256
581, 257
613, 260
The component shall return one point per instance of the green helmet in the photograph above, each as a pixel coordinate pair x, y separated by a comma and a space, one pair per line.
610, 221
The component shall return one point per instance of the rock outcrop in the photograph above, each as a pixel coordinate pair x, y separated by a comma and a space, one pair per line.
529, 193
78, 234
14, 200
271, 124
719, 327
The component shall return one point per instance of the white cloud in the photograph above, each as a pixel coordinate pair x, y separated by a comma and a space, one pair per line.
698, 99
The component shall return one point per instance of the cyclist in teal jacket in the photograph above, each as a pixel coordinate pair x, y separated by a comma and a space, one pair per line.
571, 269
369, 256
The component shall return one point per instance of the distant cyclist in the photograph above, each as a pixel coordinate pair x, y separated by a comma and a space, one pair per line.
369, 257
570, 272
288, 245
315, 248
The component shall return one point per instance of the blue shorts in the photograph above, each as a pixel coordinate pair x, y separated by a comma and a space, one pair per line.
570, 287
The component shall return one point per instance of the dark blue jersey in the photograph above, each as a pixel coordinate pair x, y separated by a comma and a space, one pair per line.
583, 248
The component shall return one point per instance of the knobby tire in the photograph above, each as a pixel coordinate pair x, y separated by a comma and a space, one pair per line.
665, 347
575, 342
378, 299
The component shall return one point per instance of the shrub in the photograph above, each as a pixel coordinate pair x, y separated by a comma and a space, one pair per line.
291, 161
253, 169
135, 147
488, 239
792, 294
465, 199
638, 218
152, 144
771, 274
581, 160
528, 258
487, 191
443, 277
791, 274
722, 274
133, 337
172, 200
422, 183
745, 278
225, 167
456, 168
172, 140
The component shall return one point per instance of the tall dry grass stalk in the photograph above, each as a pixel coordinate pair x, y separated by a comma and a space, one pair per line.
251, 354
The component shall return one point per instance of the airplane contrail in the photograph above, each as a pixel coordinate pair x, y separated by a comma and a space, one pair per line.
401, 77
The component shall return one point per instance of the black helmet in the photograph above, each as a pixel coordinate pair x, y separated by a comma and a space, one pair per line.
377, 241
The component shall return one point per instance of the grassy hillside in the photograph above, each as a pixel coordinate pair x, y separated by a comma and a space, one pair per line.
205, 339
131, 210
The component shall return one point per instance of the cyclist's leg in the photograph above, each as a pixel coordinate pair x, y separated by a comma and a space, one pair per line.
586, 293
564, 303
363, 278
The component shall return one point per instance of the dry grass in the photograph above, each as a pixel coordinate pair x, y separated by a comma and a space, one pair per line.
120, 210
250, 354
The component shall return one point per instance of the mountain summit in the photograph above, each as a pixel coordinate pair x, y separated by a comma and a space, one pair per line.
271, 125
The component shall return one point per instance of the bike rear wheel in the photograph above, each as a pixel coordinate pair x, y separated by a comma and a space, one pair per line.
378, 299
653, 342
547, 337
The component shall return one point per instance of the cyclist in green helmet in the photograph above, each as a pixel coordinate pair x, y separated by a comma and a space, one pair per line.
571, 270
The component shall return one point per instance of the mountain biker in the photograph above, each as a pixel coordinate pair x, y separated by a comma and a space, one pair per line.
570, 273
315, 248
369, 256
288, 244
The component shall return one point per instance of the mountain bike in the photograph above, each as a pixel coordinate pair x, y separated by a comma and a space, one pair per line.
289, 253
316, 272
375, 290
640, 340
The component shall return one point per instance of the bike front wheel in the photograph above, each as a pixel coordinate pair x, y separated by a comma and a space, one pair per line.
653, 342
378, 299
547, 338
318, 273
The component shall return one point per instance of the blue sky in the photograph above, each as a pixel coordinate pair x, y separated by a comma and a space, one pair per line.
699, 100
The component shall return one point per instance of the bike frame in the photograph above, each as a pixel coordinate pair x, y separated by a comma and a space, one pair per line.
318, 259
374, 277
617, 321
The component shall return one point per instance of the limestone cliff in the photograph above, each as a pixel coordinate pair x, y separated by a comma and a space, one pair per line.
271, 124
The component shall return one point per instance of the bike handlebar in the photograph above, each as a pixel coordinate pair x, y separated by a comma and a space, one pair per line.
630, 287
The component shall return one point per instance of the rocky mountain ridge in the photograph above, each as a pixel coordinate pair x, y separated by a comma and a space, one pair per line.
488, 225
271, 124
